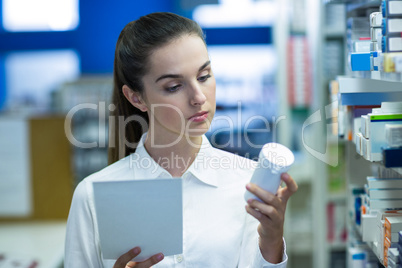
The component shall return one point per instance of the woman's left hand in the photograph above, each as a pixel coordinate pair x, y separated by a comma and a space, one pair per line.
271, 215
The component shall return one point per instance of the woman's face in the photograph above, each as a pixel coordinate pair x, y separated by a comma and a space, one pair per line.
180, 88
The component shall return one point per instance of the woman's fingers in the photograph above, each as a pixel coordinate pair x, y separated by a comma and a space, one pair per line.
272, 213
123, 260
266, 197
131, 264
272, 207
151, 261
290, 188
255, 213
271, 198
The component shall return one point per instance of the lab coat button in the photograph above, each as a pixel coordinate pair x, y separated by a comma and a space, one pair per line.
179, 258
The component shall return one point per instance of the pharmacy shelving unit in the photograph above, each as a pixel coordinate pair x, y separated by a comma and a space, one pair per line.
356, 168
365, 92
356, 91
359, 91
320, 34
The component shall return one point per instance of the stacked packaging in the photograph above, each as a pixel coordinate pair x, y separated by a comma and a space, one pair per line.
391, 41
380, 135
391, 26
382, 51
392, 227
394, 259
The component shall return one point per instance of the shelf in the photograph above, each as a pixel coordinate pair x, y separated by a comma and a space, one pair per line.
363, 91
363, 5
367, 85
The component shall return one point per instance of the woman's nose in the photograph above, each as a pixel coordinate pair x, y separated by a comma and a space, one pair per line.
197, 97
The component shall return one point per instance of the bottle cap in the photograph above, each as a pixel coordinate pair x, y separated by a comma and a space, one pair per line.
276, 157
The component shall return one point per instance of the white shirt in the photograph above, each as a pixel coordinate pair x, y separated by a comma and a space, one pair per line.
217, 230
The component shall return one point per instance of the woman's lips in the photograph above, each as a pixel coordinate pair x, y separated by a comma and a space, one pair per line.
199, 117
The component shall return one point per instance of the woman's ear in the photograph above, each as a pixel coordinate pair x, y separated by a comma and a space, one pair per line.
134, 98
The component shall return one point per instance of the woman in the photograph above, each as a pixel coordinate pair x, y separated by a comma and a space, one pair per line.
163, 81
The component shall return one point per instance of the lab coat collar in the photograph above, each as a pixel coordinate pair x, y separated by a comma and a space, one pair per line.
201, 167
147, 168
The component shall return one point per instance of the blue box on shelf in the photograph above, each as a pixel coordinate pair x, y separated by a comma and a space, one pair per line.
360, 61
392, 157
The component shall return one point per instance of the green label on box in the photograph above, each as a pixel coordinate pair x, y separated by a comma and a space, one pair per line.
386, 117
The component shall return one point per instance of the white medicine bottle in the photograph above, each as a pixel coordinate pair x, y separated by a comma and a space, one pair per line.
274, 159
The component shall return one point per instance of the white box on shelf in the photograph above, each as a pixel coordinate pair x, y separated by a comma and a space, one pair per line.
394, 237
392, 44
365, 126
369, 223
377, 133
366, 148
361, 46
392, 26
376, 19
381, 214
380, 241
390, 113
385, 203
394, 193
393, 8
356, 127
394, 224
358, 140
393, 135
393, 254
375, 33
383, 183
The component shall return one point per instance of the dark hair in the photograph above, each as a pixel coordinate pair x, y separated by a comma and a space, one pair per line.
135, 44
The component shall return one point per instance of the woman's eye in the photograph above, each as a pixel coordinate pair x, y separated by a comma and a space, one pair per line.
204, 78
173, 89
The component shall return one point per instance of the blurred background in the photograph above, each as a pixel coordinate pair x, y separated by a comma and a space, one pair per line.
56, 63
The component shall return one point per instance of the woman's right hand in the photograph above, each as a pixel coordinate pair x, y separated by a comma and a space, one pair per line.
124, 261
